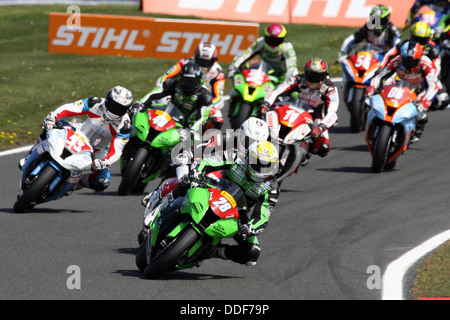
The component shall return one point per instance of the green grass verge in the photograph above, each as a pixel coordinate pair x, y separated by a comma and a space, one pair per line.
34, 81
433, 276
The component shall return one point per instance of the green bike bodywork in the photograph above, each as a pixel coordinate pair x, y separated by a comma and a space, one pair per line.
250, 86
148, 147
194, 211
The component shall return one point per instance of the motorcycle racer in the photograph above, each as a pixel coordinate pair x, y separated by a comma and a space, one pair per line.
422, 33
378, 31
236, 148
205, 55
414, 67
273, 49
442, 4
320, 94
186, 92
256, 178
107, 126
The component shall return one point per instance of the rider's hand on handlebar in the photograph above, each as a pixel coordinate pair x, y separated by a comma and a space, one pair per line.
370, 91
50, 121
246, 231
263, 107
195, 176
98, 165
137, 107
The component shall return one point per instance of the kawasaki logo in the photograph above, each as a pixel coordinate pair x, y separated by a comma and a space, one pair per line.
99, 37
226, 43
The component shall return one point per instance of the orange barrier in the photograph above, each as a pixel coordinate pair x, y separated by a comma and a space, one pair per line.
101, 35
352, 13
146, 37
178, 38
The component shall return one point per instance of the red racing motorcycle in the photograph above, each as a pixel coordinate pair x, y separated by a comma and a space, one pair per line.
291, 127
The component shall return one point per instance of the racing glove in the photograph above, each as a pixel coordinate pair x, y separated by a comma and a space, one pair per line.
137, 107
49, 121
263, 107
98, 165
246, 231
369, 91
317, 130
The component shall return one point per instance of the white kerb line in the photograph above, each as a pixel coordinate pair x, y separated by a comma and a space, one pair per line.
392, 282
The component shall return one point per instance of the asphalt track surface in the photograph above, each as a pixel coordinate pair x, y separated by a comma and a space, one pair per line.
335, 223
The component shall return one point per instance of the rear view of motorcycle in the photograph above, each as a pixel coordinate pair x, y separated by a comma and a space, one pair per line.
391, 124
254, 81
290, 125
54, 167
359, 68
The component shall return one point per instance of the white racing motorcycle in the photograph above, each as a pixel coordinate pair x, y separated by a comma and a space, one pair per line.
54, 167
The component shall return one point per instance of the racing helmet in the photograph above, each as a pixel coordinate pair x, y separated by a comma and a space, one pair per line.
316, 71
190, 78
205, 55
274, 35
421, 32
117, 102
410, 54
251, 130
379, 18
261, 161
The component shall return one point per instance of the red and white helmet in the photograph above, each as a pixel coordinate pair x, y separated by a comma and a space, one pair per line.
117, 102
205, 54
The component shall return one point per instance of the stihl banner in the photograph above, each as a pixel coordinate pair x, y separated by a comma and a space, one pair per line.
352, 13
101, 35
178, 38
145, 37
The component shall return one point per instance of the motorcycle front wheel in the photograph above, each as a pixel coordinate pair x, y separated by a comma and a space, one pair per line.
36, 188
132, 175
168, 259
380, 151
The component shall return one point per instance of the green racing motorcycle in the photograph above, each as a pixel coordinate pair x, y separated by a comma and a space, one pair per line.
146, 154
251, 84
189, 229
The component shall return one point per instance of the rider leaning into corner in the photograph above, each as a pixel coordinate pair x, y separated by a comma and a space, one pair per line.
206, 57
256, 177
318, 92
249, 167
107, 127
443, 5
417, 69
378, 31
188, 94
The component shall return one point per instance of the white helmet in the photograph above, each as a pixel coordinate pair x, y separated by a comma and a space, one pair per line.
253, 129
117, 102
205, 55
262, 160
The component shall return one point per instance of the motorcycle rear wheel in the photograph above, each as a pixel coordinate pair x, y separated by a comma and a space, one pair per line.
245, 111
168, 259
31, 194
380, 151
132, 174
